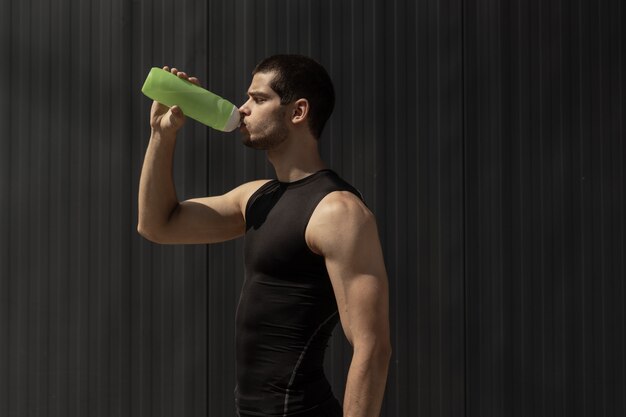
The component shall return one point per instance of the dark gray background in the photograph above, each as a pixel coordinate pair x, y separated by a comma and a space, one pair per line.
486, 135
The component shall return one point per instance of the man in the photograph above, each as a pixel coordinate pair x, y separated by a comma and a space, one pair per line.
312, 251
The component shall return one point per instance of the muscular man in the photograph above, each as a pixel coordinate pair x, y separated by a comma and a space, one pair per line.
312, 251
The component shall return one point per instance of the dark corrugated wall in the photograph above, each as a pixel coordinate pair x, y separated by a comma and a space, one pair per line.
487, 137
545, 217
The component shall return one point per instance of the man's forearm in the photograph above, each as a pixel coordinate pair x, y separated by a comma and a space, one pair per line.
366, 382
157, 195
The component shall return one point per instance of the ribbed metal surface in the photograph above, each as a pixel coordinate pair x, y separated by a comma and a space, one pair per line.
486, 136
545, 187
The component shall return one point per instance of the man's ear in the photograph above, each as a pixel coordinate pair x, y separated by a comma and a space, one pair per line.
300, 111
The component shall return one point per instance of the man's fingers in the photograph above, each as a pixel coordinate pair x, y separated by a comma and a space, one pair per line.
158, 107
182, 74
176, 117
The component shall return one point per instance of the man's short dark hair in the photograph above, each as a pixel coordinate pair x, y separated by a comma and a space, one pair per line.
297, 77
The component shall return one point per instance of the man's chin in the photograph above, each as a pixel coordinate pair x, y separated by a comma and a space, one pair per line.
262, 143
258, 145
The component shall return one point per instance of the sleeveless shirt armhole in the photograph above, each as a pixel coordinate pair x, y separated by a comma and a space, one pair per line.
257, 193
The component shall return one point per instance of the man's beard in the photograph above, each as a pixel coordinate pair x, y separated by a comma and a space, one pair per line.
264, 143
277, 135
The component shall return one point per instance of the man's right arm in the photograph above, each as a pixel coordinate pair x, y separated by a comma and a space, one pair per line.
162, 218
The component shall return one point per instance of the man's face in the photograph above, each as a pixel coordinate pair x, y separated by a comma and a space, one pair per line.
264, 119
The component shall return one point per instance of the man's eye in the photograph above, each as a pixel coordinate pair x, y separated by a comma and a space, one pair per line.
259, 100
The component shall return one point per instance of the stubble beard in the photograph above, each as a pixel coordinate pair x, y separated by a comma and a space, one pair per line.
275, 135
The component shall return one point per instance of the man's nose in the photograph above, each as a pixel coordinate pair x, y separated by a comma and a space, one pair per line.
244, 109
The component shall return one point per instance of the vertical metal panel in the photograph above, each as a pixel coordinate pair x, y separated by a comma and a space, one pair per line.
6, 187
545, 191
419, 201
170, 364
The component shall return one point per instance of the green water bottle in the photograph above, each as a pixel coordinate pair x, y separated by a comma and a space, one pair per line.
195, 102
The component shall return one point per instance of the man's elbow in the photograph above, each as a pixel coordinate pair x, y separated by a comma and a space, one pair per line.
385, 351
150, 234
380, 350
154, 227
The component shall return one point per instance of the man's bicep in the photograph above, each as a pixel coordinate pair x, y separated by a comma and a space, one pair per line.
211, 219
206, 220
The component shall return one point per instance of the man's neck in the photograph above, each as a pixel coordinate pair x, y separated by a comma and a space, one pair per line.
295, 160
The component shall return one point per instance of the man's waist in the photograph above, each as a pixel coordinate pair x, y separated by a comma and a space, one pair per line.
292, 404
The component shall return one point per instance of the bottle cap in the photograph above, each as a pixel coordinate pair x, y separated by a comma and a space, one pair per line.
234, 120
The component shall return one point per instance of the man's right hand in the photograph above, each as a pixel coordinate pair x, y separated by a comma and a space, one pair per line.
165, 120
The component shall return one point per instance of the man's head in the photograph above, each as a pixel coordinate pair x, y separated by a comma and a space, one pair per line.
296, 78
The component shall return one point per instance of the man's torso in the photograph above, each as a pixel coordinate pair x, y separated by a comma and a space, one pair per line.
287, 309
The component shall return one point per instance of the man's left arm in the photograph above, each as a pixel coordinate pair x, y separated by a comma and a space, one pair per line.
344, 231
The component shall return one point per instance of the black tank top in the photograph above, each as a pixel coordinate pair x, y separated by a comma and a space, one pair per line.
287, 308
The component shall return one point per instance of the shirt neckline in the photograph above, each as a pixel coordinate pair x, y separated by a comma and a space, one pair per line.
303, 180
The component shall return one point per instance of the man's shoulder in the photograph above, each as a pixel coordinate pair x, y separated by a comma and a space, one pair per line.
338, 219
341, 205
253, 186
